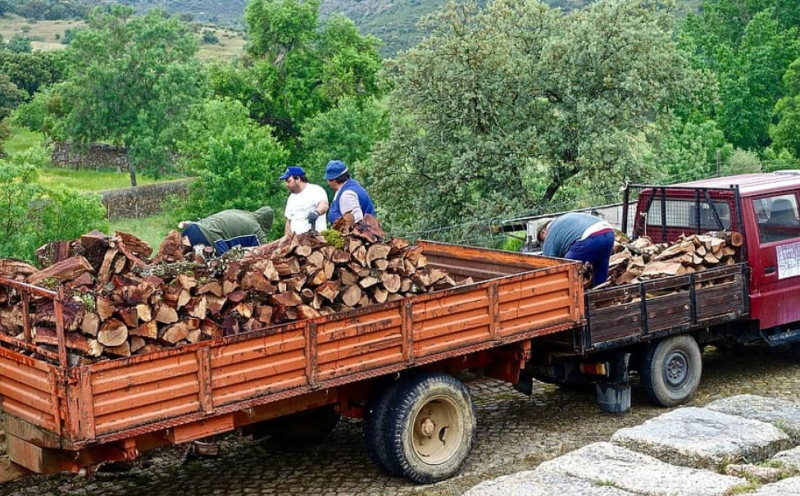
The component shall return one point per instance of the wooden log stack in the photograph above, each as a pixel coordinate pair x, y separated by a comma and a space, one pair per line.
119, 303
642, 260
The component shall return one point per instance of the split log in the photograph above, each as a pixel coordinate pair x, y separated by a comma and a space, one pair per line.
62, 271
112, 333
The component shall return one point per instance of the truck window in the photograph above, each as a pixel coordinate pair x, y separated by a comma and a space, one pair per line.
778, 218
684, 213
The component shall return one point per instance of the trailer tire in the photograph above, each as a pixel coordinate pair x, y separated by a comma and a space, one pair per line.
375, 438
671, 370
430, 428
304, 428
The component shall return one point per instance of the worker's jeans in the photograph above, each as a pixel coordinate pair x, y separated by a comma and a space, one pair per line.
596, 249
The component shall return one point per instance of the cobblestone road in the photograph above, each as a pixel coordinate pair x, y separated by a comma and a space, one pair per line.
515, 432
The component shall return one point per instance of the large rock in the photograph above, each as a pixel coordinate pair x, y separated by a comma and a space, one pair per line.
702, 438
614, 466
789, 459
785, 415
786, 487
535, 483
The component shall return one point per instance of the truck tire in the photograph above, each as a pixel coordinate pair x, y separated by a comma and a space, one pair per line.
304, 428
671, 371
375, 438
430, 428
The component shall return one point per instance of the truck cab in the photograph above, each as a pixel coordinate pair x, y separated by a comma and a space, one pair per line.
764, 208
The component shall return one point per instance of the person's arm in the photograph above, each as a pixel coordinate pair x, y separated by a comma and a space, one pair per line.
287, 228
322, 207
349, 203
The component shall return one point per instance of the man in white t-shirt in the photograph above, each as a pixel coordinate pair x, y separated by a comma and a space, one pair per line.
307, 203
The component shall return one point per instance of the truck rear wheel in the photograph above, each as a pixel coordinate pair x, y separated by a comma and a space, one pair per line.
375, 423
430, 428
671, 370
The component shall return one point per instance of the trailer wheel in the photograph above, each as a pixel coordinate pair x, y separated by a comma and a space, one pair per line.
671, 371
375, 422
302, 428
430, 427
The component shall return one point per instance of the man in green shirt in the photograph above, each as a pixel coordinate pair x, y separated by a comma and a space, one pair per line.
230, 228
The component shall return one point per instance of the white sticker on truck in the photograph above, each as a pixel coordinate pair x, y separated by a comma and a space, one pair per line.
788, 260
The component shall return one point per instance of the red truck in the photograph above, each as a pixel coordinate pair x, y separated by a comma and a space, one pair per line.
393, 364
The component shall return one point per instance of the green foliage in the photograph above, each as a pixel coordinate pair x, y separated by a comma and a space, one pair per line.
742, 162
152, 229
69, 35
132, 81
32, 71
687, 151
748, 45
19, 44
507, 109
5, 133
346, 132
33, 215
236, 161
10, 96
209, 37
297, 68
786, 132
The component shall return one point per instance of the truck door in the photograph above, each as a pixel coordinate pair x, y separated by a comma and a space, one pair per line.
775, 260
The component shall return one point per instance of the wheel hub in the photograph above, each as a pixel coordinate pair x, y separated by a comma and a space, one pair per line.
427, 427
438, 428
676, 369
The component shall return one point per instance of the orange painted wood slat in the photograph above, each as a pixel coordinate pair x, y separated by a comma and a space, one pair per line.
33, 399
333, 352
534, 287
244, 390
252, 370
39, 418
257, 348
142, 373
145, 394
363, 324
361, 363
30, 376
452, 341
453, 324
133, 417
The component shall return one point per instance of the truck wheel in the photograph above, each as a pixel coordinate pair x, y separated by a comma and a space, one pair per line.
375, 438
430, 427
302, 428
671, 371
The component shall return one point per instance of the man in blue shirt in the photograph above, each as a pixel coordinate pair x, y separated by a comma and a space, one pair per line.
349, 196
581, 237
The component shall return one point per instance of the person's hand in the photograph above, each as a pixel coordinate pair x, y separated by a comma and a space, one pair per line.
312, 217
183, 224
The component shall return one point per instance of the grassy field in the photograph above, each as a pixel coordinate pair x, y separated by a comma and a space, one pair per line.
152, 229
43, 34
21, 139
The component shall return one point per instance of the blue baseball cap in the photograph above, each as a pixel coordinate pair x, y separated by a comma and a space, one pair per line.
334, 169
292, 170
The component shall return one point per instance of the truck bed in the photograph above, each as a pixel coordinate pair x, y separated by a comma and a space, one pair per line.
213, 386
622, 315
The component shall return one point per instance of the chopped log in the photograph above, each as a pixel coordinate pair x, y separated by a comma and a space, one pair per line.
263, 313
348, 277
296, 282
360, 256
306, 312
194, 336
90, 323
397, 245
106, 267
119, 264
145, 312
174, 333
122, 350
237, 296
134, 244
244, 309
166, 314
11, 268
352, 244
213, 287
93, 247
62, 271
340, 256
171, 249
183, 298
317, 278
351, 296
147, 330
211, 329
329, 290
130, 316
54, 252
316, 259
73, 340
197, 307
379, 294
215, 304
287, 266
303, 251
258, 282
137, 343
95, 348
186, 281
105, 307
661, 269
378, 251
112, 333
82, 280
711, 258
391, 282
149, 348
368, 281
286, 299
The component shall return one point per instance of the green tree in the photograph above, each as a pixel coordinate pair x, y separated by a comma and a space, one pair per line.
32, 71
687, 151
19, 44
785, 132
10, 96
502, 110
346, 132
237, 162
296, 68
132, 81
34, 215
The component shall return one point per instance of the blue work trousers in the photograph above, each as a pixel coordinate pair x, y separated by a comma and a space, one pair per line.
596, 249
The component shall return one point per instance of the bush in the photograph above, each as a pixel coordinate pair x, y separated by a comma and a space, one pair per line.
209, 37
35, 215
742, 162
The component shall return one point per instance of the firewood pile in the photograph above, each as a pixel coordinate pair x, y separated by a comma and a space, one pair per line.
641, 260
118, 302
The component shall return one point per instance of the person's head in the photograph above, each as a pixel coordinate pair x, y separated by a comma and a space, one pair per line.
336, 174
295, 178
541, 228
265, 216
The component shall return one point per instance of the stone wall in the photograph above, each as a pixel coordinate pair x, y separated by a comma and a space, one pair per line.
98, 156
141, 201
